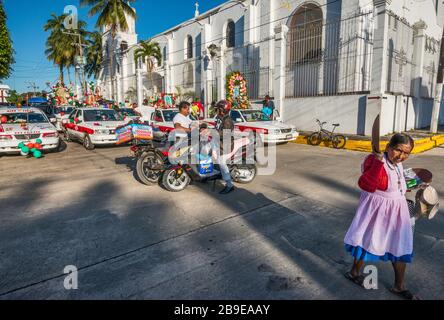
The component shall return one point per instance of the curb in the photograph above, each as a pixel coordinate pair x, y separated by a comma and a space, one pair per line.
421, 145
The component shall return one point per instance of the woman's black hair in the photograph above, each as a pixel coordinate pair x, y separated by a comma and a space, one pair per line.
401, 138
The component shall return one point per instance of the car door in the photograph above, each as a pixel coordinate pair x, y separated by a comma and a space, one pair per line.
72, 126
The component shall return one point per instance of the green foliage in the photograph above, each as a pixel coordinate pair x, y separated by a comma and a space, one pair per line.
94, 54
111, 13
149, 52
14, 98
59, 45
6, 50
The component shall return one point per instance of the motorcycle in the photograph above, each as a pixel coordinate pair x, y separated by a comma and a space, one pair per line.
154, 166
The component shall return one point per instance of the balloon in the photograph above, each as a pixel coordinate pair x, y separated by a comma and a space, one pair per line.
24, 151
30, 145
4, 119
39, 141
21, 145
33, 150
37, 146
37, 154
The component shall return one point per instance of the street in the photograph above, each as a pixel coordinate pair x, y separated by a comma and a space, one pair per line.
280, 237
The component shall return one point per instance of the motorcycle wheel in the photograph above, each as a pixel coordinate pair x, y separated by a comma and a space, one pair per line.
244, 174
145, 174
173, 183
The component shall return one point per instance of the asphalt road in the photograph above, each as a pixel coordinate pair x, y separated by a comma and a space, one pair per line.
280, 237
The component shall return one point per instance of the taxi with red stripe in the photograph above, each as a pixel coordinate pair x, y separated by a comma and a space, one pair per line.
93, 126
26, 125
162, 122
269, 131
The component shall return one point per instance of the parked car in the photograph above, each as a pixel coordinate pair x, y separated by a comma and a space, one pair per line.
162, 122
270, 131
59, 114
26, 125
128, 114
93, 126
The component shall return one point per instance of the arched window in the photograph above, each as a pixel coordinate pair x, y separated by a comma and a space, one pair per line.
189, 47
305, 35
188, 75
231, 34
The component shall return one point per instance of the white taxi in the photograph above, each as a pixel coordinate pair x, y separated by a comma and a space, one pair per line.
162, 122
93, 126
26, 125
270, 131
61, 113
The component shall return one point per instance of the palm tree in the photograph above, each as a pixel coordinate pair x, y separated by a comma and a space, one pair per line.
94, 54
150, 53
59, 45
112, 14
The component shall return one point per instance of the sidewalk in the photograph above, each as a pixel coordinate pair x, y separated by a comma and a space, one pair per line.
424, 141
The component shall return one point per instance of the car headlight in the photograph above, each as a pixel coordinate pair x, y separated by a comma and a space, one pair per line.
101, 131
276, 131
294, 130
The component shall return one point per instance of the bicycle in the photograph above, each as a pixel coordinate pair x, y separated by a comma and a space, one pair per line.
337, 140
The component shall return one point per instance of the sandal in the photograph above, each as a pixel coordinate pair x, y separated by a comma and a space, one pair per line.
359, 280
405, 294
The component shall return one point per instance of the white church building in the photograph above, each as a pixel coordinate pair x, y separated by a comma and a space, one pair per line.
340, 61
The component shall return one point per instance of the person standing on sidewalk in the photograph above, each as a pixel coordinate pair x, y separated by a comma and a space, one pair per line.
381, 229
268, 103
224, 124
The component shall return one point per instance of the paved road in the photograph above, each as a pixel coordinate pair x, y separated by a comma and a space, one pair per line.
278, 238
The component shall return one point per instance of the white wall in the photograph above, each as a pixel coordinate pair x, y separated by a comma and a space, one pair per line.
348, 111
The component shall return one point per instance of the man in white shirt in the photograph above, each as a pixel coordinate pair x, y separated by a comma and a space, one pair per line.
182, 120
145, 112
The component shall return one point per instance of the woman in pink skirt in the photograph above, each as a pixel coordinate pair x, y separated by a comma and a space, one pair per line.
381, 229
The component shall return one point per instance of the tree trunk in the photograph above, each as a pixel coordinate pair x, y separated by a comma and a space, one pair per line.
61, 73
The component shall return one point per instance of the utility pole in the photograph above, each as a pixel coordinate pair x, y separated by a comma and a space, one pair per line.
80, 61
32, 86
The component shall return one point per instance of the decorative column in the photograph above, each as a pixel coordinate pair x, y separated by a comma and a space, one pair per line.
380, 56
139, 84
222, 73
281, 32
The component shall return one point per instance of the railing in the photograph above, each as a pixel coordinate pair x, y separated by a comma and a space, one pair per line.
330, 58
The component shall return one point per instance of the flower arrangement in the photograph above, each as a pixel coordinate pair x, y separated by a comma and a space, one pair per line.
163, 100
236, 87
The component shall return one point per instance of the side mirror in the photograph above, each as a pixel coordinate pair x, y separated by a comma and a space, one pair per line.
53, 120
238, 120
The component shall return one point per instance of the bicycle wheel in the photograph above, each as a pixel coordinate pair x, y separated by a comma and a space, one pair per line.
315, 139
339, 141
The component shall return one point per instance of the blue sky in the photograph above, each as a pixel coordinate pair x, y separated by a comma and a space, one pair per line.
27, 17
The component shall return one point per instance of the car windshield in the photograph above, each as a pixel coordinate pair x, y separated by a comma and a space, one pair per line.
254, 115
24, 117
100, 115
128, 112
65, 110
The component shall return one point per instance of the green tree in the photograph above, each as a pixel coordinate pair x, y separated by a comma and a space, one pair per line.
6, 50
14, 98
150, 53
112, 15
94, 54
59, 45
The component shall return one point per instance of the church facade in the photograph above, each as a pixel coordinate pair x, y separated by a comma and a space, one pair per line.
337, 61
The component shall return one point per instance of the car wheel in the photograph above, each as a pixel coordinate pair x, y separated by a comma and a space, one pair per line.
87, 143
66, 136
